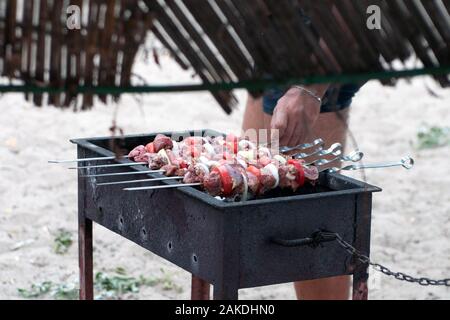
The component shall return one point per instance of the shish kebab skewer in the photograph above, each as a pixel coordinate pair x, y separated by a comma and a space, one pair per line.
354, 156
224, 170
406, 163
231, 177
316, 143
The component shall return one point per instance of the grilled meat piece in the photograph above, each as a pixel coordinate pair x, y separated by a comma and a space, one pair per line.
156, 161
162, 142
253, 183
267, 181
137, 153
172, 170
195, 173
213, 184
285, 176
237, 181
311, 173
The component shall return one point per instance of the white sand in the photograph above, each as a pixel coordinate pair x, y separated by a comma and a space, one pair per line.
411, 217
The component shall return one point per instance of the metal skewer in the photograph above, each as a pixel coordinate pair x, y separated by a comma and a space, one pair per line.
111, 165
122, 173
354, 156
335, 149
406, 162
164, 186
87, 159
137, 181
315, 143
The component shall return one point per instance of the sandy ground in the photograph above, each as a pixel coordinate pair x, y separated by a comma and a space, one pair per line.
411, 217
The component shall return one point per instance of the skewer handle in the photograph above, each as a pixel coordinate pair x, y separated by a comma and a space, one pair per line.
86, 159
315, 143
137, 181
111, 165
122, 173
406, 163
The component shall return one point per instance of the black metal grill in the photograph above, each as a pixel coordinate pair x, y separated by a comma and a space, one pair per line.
228, 244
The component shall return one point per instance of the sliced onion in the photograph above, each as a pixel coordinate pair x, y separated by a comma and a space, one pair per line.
209, 148
247, 155
242, 163
280, 159
265, 151
203, 166
163, 154
245, 193
244, 143
212, 163
175, 147
203, 159
273, 170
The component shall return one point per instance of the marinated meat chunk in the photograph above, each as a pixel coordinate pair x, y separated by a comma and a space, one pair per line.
213, 184
162, 142
195, 173
311, 173
170, 170
237, 182
285, 177
137, 152
156, 161
253, 183
267, 182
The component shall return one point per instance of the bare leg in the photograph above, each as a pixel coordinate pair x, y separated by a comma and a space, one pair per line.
253, 116
331, 127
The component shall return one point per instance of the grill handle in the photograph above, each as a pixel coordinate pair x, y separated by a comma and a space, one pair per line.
316, 238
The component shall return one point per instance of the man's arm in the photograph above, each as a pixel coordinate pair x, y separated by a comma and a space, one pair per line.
296, 112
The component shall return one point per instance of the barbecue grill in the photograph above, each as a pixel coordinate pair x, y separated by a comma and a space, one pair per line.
230, 245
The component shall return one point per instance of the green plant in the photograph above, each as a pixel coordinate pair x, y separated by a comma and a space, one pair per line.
168, 283
36, 290
108, 286
65, 292
433, 137
63, 241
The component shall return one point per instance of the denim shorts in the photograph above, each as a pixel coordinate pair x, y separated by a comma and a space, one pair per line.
335, 99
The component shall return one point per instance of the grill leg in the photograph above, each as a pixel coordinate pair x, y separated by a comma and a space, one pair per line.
85, 258
200, 289
360, 277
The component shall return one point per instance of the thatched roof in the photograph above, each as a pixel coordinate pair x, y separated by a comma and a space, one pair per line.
224, 40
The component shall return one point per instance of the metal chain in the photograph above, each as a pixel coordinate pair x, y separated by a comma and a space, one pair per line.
378, 267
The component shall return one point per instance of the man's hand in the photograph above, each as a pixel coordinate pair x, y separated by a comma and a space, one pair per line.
295, 114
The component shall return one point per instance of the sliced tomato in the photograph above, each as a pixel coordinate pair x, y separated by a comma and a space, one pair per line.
232, 142
300, 172
227, 182
150, 148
